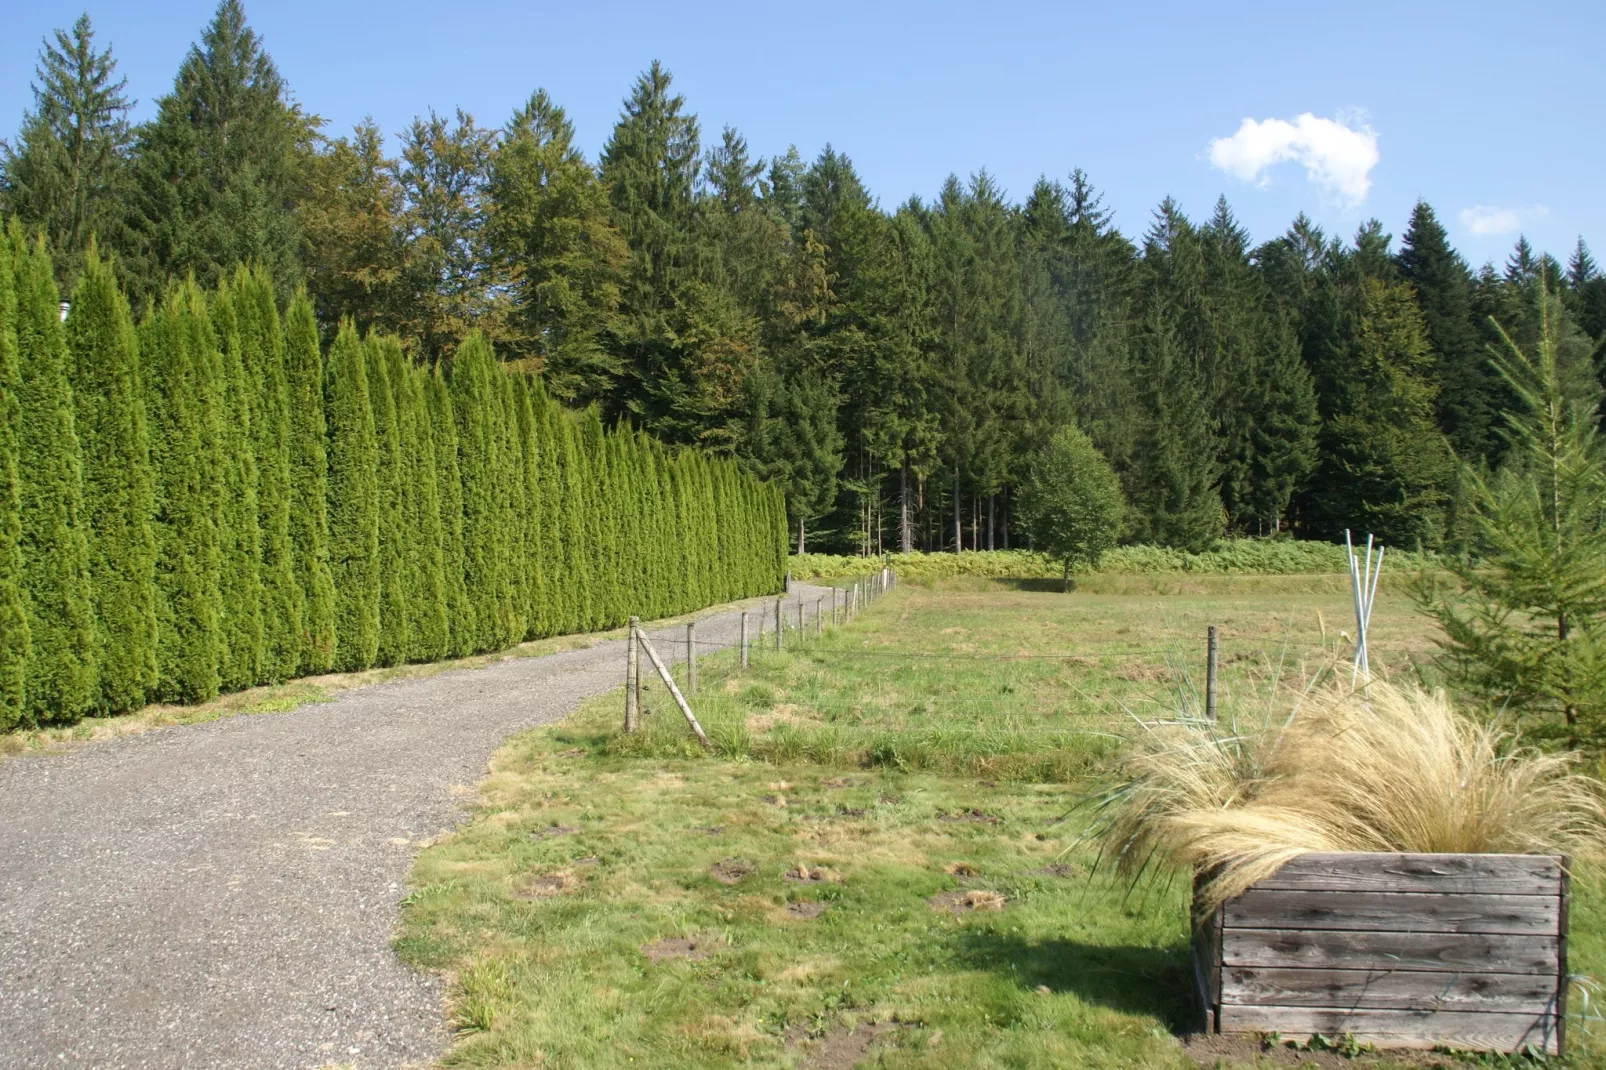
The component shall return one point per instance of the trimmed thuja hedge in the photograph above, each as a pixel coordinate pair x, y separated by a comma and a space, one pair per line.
209, 501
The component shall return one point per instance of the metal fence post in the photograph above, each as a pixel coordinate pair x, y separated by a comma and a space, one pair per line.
1210, 675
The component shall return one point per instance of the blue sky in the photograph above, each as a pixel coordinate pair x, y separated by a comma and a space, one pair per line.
1490, 111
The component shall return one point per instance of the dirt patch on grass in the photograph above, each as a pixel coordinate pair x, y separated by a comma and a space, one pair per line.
732, 870
960, 869
841, 1048
711, 830
553, 831
973, 817
546, 885
842, 782
963, 902
803, 873
676, 947
1063, 869
807, 909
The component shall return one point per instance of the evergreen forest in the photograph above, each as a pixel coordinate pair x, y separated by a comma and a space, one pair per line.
374, 334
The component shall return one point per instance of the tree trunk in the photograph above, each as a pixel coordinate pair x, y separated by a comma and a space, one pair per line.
959, 526
1065, 578
906, 535
992, 521
799, 534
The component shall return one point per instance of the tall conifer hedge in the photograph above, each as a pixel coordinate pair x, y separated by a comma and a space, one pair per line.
206, 502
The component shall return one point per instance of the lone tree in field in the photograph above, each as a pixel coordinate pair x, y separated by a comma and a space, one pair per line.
1525, 619
1072, 502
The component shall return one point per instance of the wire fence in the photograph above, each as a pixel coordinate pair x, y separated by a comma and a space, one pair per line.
883, 706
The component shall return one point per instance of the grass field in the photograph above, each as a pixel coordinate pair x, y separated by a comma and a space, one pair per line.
881, 865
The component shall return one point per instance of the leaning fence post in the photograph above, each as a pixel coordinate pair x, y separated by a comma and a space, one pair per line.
680, 700
744, 637
1210, 675
632, 676
691, 657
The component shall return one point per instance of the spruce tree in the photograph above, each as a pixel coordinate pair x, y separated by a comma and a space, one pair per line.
215, 173
63, 174
353, 503
383, 359
239, 532
119, 502
62, 674
176, 347
14, 638
309, 487
267, 389
460, 616
1173, 486
1469, 394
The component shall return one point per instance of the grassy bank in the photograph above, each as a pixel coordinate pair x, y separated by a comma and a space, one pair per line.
882, 864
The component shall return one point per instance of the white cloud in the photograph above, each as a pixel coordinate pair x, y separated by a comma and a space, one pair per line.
1485, 220
1338, 157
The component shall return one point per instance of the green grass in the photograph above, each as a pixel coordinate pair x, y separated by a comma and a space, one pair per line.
911, 782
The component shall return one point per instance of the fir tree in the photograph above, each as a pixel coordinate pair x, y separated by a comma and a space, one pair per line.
63, 176
176, 349
62, 673
309, 487
353, 503
267, 388
119, 502
1173, 487
213, 178
14, 636
549, 215
1469, 395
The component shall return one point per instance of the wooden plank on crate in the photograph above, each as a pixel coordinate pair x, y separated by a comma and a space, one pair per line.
1474, 1030
1422, 990
1486, 874
1471, 952
1419, 912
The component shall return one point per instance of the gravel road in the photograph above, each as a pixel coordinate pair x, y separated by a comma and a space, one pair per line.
224, 894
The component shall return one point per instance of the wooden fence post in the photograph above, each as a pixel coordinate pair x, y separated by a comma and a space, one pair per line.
800, 618
780, 625
680, 700
691, 657
833, 607
1210, 675
632, 676
819, 623
744, 637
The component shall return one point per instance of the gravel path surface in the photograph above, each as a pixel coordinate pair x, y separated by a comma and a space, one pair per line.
224, 894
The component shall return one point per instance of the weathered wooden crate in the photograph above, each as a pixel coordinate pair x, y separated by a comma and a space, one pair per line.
1397, 950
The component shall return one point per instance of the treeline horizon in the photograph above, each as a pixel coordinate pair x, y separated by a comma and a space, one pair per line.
896, 372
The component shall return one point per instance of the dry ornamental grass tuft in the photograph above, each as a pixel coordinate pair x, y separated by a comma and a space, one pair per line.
1390, 769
